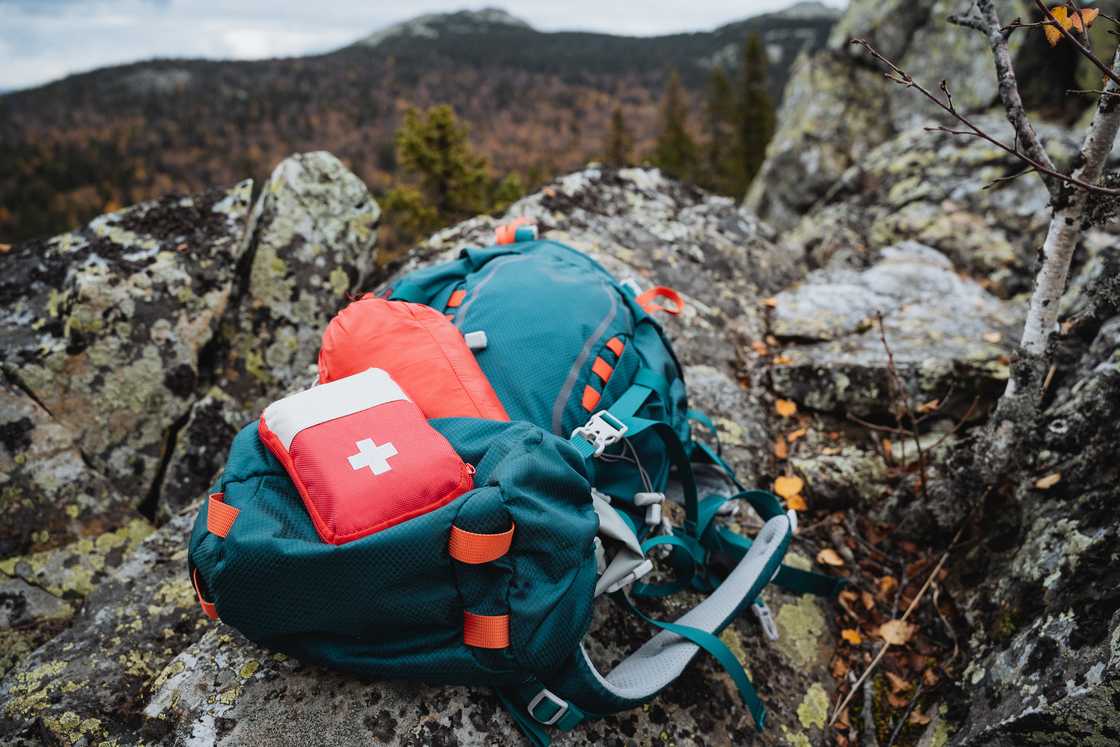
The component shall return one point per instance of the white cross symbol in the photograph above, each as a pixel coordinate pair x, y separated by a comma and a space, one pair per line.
373, 456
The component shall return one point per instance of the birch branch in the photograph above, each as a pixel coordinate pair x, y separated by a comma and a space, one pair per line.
1068, 220
1009, 90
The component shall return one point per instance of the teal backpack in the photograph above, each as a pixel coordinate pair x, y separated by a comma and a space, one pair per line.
568, 504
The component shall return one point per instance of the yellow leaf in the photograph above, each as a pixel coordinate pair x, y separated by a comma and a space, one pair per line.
781, 449
785, 407
794, 435
918, 718
1045, 483
788, 485
828, 556
1061, 15
851, 636
782, 360
897, 632
797, 503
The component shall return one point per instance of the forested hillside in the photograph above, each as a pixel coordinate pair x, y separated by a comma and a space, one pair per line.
537, 104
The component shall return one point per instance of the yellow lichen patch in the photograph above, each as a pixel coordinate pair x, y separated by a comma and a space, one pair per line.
30, 690
813, 710
801, 625
249, 668
230, 696
795, 738
172, 669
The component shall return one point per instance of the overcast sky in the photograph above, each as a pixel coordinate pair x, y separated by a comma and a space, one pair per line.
41, 40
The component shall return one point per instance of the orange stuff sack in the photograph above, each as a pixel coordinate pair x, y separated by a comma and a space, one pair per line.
420, 349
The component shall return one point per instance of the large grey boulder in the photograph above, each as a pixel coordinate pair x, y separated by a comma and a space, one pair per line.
945, 333
838, 107
104, 327
311, 239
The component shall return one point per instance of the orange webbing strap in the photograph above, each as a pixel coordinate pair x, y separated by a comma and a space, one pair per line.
207, 607
647, 300
220, 515
507, 232
616, 345
456, 299
485, 631
590, 397
469, 547
602, 369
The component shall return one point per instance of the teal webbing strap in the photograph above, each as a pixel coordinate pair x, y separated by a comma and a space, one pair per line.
532, 731
720, 652
720, 462
677, 457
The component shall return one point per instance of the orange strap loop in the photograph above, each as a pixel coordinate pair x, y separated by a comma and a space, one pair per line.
507, 232
616, 345
220, 515
207, 607
473, 548
590, 397
602, 369
456, 299
485, 631
647, 300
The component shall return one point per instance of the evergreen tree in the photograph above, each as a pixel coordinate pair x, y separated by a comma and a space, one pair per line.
722, 166
675, 152
619, 141
433, 149
756, 117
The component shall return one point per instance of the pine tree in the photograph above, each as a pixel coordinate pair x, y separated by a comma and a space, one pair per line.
756, 117
722, 166
675, 152
619, 141
432, 148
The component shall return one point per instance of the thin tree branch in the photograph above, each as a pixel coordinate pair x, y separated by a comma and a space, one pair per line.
1009, 91
1085, 51
900, 76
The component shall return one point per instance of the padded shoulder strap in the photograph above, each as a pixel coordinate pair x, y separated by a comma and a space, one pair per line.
639, 677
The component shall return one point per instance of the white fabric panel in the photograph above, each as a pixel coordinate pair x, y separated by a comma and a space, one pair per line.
297, 412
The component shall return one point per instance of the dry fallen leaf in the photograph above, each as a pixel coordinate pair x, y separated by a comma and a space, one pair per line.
887, 584
867, 599
852, 636
927, 407
828, 556
788, 485
759, 347
897, 632
797, 503
785, 407
898, 685
782, 360
781, 449
992, 337
5, 248
1045, 483
796, 434
897, 702
840, 667
930, 678
918, 718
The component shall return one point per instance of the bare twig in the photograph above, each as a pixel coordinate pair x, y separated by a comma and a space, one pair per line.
906, 714
904, 398
900, 76
1091, 92
886, 644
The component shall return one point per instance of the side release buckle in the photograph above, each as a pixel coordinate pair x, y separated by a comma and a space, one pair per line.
602, 430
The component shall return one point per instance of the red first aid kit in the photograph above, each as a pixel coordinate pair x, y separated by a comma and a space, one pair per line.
414, 343
362, 455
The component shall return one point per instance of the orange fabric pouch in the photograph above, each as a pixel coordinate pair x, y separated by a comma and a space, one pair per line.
419, 348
